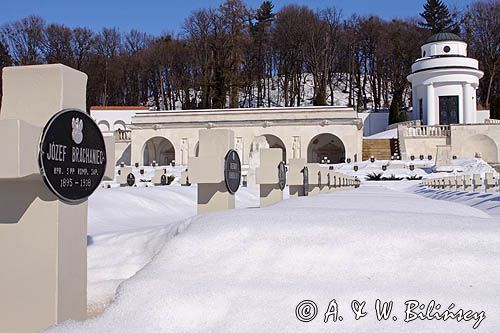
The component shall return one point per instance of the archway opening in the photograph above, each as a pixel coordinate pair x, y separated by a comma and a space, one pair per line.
103, 126
119, 125
326, 147
160, 150
275, 142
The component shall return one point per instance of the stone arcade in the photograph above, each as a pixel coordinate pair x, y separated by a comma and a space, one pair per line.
312, 133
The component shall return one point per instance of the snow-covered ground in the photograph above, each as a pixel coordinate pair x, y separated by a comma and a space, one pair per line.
128, 226
247, 269
389, 134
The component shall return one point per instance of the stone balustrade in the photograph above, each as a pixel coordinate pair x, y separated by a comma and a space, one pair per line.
442, 131
492, 121
489, 183
123, 135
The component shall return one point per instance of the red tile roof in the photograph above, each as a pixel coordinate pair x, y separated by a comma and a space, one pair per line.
119, 108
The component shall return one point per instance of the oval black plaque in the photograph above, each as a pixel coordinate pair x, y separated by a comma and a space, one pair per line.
72, 155
232, 171
163, 179
305, 180
130, 179
282, 175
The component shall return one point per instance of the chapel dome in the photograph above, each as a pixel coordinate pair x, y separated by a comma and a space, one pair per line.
443, 37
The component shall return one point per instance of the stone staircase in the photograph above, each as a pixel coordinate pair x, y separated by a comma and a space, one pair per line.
381, 149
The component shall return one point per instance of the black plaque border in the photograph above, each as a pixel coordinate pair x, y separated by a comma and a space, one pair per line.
282, 170
40, 158
226, 181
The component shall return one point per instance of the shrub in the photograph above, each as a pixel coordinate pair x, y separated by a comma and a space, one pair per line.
374, 176
414, 177
170, 179
392, 177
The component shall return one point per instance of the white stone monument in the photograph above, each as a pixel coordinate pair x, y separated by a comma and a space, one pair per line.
315, 180
215, 170
43, 239
443, 155
296, 177
268, 176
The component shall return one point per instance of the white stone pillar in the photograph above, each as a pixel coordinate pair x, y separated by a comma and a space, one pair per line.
296, 176
43, 240
430, 106
207, 170
267, 175
469, 114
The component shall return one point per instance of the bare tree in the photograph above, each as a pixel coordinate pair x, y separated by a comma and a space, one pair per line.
482, 22
25, 40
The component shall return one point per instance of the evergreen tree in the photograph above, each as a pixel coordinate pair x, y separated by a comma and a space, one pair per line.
262, 58
395, 113
437, 18
394, 109
495, 107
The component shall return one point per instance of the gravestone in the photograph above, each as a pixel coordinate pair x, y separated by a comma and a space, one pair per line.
315, 183
159, 177
460, 183
271, 176
477, 183
468, 183
443, 155
184, 180
296, 177
217, 170
489, 182
122, 173
53, 159
324, 187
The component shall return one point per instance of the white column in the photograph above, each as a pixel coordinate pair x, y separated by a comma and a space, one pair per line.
469, 114
430, 106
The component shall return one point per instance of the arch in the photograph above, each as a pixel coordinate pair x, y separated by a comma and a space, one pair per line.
326, 145
103, 125
119, 125
158, 149
483, 144
276, 142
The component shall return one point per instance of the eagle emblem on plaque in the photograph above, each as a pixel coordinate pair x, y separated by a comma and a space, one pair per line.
77, 130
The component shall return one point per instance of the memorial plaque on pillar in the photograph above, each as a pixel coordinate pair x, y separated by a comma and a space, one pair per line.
282, 175
72, 155
130, 179
232, 171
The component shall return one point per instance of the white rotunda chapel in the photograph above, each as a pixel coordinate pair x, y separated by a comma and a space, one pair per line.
444, 82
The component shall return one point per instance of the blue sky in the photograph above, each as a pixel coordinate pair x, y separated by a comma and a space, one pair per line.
156, 17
